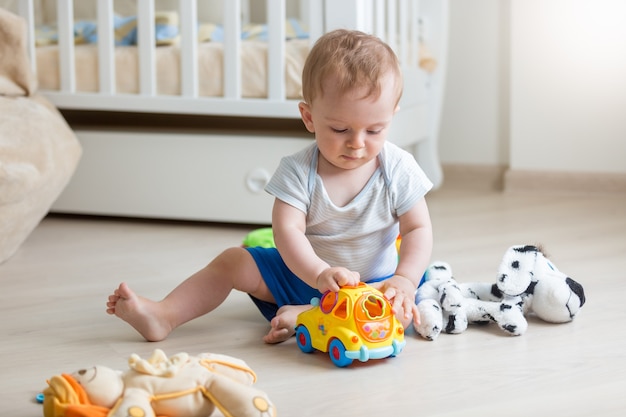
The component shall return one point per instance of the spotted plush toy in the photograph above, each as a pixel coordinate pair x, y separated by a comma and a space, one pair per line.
526, 283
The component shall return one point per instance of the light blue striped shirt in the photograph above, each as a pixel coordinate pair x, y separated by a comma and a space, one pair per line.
360, 235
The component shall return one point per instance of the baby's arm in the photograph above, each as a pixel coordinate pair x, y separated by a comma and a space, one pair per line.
289, 225
415, 252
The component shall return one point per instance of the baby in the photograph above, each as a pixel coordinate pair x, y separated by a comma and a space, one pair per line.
339, 206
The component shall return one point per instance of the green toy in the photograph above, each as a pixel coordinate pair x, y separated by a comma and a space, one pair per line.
263, 237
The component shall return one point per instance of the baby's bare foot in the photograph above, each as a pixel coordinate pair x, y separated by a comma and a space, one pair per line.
145, 315
284, 323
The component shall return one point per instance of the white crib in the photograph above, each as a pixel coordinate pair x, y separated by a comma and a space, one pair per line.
205, 153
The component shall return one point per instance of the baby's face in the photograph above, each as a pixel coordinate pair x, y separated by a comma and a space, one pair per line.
351, 129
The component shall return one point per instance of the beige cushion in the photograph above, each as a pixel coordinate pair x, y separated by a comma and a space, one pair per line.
38, 150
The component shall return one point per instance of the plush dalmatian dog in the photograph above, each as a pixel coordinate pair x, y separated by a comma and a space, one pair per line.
526, 283
444, 306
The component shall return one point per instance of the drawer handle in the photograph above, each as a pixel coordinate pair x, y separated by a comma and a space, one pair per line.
257, 179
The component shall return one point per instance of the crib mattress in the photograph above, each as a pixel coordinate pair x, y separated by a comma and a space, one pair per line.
168, 80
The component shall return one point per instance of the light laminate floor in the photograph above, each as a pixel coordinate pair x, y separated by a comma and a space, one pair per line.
54, 291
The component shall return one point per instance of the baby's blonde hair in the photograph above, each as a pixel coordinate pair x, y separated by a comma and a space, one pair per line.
355, 59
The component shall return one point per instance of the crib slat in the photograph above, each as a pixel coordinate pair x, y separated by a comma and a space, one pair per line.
391, 25
67, 66
145, 42
404, 32
232, 48
27, 11
415, 34
245, 11
368, 16
106, 44
314, 16
189, 47
379, 25
276, 12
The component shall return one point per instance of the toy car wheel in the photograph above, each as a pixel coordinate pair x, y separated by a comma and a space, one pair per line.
303, 338
337, 353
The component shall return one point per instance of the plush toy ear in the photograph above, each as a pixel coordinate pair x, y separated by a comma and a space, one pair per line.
65, 397
576, 289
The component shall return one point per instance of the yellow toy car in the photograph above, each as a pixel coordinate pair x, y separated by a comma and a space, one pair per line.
354, 323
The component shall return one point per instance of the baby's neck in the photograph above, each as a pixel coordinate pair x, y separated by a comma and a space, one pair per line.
342, 185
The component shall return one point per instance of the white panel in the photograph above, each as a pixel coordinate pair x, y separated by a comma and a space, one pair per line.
177, 176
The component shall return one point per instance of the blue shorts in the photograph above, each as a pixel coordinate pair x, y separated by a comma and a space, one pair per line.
285, 286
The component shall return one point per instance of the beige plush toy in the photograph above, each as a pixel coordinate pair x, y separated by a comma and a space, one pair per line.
178, 386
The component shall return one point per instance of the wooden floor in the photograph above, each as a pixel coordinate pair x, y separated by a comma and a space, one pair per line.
54, 291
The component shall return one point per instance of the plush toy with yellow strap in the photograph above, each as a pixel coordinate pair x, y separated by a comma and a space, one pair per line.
178, 386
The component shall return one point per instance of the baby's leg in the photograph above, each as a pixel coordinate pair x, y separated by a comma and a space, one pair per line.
284, 323
199, 294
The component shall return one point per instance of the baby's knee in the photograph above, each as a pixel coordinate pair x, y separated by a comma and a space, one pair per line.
238, 266
232, 258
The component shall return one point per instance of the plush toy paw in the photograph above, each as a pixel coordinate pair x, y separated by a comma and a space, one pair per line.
431, 319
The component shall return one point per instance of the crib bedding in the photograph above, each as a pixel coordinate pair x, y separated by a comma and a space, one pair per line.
167, 61
210, 57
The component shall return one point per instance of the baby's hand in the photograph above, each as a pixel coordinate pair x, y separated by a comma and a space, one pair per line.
332, 278
400, 292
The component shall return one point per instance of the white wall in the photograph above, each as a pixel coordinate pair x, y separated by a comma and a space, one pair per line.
568, 85
475, 112
536, 84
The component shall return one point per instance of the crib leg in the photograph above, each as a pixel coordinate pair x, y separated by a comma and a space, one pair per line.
427, 157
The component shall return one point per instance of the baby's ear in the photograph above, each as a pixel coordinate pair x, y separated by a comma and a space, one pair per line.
307, 118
